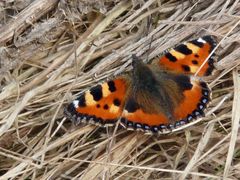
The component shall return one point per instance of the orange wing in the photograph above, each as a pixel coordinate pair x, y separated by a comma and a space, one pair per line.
188, 57
101, 104
195, 99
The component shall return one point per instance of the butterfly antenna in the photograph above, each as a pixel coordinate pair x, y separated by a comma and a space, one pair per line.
155, 22
148, 29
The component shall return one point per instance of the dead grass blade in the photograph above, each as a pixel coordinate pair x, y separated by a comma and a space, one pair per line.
51, 51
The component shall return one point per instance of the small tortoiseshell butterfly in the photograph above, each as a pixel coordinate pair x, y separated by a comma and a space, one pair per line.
156, 97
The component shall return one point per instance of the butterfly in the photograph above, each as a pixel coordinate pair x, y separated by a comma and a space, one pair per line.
156, 97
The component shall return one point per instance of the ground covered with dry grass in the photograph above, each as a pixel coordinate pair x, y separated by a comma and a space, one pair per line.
50, 51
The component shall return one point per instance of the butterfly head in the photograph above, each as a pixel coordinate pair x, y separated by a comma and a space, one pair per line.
142, 76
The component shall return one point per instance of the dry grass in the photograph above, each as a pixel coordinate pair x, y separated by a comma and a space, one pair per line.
51, 49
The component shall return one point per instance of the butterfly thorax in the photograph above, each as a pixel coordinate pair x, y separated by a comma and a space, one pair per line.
142, 76
149, 91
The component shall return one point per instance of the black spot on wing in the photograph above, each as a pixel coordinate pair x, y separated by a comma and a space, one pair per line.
184, 82
186, 68
111, 86
194, 61
171, 57
196, 55
96, 92
81, 100
182, 48
105, 107
197, 43
116, 102
131, 106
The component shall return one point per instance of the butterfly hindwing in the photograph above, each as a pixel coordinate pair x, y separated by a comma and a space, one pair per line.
186, 98
189, 56
101, 104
